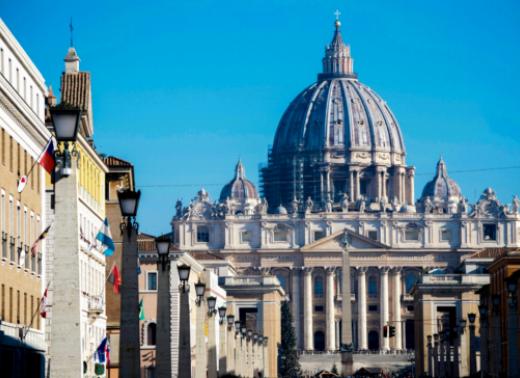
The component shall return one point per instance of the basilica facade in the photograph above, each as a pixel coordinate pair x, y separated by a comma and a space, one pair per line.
338, 167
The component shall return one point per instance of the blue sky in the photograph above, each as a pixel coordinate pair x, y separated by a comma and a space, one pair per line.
183, 88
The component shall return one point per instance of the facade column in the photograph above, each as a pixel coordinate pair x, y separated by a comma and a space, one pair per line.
296, 305
201, 356
513, 335
230, 345
330, 311
384, 317
212, 347
351, 186
222, 350
362, 309
411, 186
357, 184
163, 350
308, 333
398, 340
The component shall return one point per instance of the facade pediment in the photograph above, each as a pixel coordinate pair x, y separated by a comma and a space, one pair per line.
334, 240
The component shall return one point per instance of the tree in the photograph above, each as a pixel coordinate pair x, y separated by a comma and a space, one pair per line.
289, 366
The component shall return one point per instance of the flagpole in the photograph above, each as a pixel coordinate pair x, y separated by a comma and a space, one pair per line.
27, 327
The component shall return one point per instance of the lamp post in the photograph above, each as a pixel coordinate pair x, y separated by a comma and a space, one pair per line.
212, 345
222, 357
484, 333
230, 344
429, 346
472, 347
244, 357
184, 363
201, 356
513, 334
65, 350
462, 349
436, 355
163, 348
129, 353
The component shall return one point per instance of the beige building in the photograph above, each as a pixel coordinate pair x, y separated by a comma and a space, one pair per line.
23, 136
446, 323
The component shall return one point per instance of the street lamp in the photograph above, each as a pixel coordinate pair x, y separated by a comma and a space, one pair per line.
184, 275
230, 321
249, 334
65, 121
212, 303
129, 202
162, 244
200, 288
222, 313
237, 327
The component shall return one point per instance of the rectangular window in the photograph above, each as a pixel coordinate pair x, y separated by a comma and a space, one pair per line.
24, 308
2, 60
24, 89
31, 96
31, 179
3, 146
245, 237
24, 162
18, 306
445, 234
151, 281
2, 312
11, 154
318, 308
38, 317
18, 80
11, 300
280, 234
372, 235
372, 308
320, 234
411, 233
18, 158
489, 232
202, 234
38, 103
10, 71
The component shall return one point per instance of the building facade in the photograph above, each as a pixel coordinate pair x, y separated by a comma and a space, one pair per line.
22, 138
76, 91
338, 166
499, 316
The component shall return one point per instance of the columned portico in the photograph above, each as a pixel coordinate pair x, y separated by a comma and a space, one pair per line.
308, 329
384, 306
397, 310
330, 311
362, 309
296, 304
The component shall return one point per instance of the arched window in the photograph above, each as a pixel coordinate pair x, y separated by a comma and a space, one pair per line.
283, 281
318, 286
372, 286
151, 334
319, 341
410, 279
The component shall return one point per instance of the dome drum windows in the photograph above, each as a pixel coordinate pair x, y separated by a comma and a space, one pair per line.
202, 234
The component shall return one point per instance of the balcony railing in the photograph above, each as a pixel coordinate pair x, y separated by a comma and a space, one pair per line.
96, 305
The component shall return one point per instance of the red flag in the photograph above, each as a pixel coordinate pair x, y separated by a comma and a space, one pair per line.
36, 244
47, 158
43, 304
115, 279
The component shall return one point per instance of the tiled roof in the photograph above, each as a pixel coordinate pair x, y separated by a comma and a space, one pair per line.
112, 161
206, 256
75, 90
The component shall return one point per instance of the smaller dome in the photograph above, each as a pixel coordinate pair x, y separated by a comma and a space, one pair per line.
280, 210
441, 192
239, 189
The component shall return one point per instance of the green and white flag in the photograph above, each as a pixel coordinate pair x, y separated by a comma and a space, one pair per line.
141, 310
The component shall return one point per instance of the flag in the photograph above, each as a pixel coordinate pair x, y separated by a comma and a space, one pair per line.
36, 244
141, 310
103, 351
105, 237
21, 183
115, 278
43, 304
47, 160
138, 266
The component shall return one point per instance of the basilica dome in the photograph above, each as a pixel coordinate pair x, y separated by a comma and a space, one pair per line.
338, 141
340, 113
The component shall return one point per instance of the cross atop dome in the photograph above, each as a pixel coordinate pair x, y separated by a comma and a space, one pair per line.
337, 61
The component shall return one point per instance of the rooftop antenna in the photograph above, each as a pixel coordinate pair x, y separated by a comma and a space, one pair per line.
71, 29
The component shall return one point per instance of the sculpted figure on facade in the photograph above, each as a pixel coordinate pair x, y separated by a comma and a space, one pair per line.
515, 207
294, 206
309, 205
345, 202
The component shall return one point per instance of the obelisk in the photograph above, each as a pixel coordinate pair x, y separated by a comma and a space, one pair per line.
346, 313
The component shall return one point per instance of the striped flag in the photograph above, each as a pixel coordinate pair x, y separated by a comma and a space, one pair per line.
43, 304
46, 159
105, 237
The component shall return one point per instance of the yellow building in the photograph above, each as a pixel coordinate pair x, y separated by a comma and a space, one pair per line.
23, 136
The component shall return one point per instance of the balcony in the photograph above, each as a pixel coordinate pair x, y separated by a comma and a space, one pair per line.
96, 305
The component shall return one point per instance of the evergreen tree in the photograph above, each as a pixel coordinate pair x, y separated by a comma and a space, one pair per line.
289, 366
